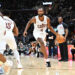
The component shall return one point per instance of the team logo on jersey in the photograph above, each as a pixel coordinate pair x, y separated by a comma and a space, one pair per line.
41, 26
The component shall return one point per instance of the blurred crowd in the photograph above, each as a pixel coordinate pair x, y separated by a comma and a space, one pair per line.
22, 10
58, 8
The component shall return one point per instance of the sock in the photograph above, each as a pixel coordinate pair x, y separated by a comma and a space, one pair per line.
16, 54
47, 60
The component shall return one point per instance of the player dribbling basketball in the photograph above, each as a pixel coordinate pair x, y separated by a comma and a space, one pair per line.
41, 22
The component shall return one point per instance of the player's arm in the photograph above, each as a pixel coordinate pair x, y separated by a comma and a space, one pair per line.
52, 30
50, 27
15, 30
28, 25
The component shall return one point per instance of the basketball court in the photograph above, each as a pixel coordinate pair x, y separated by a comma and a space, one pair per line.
36, 66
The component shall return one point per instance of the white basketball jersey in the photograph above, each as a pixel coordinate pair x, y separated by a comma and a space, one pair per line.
2, 27
40, 26
9, 24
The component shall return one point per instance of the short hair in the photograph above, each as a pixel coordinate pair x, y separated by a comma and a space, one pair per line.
41, 7
60, 17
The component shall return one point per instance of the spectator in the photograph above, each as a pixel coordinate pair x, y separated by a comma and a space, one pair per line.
21, 48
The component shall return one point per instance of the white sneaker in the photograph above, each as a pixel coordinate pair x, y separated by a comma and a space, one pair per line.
19, 66
19, 71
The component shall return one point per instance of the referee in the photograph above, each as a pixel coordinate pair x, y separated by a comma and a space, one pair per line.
62, 29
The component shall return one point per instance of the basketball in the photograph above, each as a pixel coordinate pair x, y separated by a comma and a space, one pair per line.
60, 39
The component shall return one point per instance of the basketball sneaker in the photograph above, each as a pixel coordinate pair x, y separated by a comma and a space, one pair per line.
48, 64
19, 66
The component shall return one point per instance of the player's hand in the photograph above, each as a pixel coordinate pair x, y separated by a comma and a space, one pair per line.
60, 38
56, 43
65, 38
57, 36
25, 33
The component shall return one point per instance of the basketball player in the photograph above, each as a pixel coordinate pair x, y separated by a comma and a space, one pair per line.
11, 31
41, 22
2, 34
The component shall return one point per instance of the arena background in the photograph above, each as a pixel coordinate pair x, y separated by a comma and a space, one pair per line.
22, 10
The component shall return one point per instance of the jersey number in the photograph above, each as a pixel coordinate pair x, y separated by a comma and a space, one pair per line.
8, 25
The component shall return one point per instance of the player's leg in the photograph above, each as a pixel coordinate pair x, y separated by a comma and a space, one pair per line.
42, 46
41, 40
2, 61
16, 54
5, 64
12, 44
43, 50
2, 58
